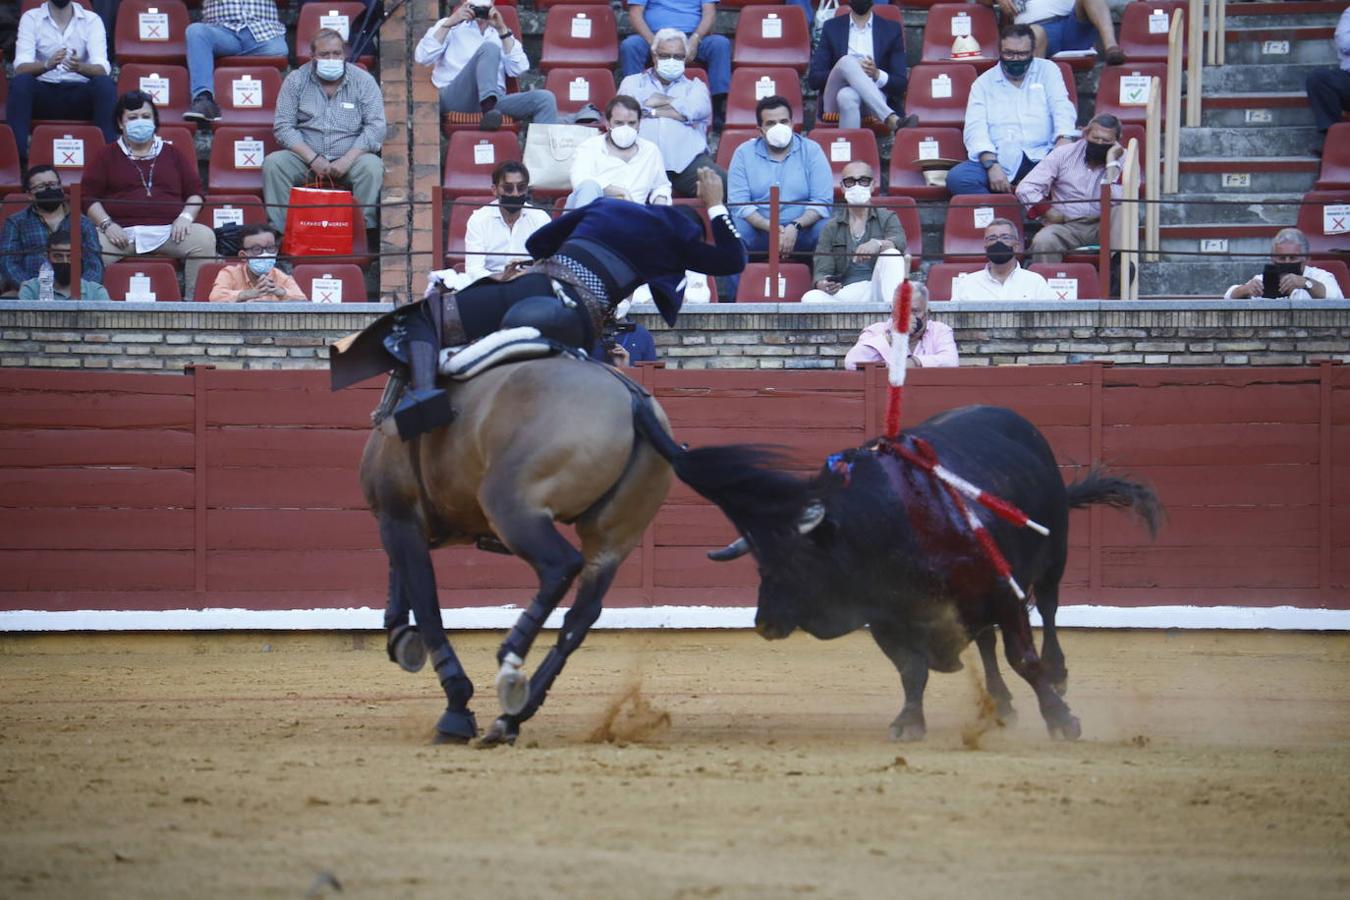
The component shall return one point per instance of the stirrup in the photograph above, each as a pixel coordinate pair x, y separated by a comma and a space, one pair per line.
422, 411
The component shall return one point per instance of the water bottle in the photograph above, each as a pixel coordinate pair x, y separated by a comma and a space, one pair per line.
46, 282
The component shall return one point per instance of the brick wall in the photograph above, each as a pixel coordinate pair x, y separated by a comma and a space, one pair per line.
276, 336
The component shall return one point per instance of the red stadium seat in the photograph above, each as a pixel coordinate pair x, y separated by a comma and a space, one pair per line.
1337, 267
67, 147
247, 95
336, 282
737, 4
939, 32
13, 202
180, 135
1132, 107
156, 280
937, 93
579, 36
166, 84
11, 177
907, 211
206, 277
750, 84
845, 145
967, 216
470, 157
1071, 281
913, 144
237, 155
220, 210
1325, 218
457, 226
794, 280
772, 36
151, 31
1144, 27
343, 17
941, 276
1070, 83
731, 139
1335, 172
574, 88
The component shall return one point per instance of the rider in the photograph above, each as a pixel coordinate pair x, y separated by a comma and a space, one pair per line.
588, 260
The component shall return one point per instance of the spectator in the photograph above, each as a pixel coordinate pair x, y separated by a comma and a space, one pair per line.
256, 276
330, 120
797, 166
1017, 113
1329, 89
58, 254
495, 236
61, 71
144, 194
23, 243
618, 163
860, 62
630, 343
675, 112
228, 28
1071, 176
1002, 278
473, 53
931, 344
847, 267
1290, 247
693, 18
1064, 25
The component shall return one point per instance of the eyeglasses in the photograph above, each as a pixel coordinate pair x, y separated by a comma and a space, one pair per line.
42, 186
864, 180
268, 250
680, 56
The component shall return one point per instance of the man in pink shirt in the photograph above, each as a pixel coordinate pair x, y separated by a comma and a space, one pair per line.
1071, 178
931, 344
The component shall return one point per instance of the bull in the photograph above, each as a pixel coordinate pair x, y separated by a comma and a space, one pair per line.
876, 542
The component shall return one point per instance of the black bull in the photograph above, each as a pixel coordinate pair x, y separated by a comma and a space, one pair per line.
876, 542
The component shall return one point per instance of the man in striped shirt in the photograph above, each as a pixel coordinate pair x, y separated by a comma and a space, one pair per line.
228, 28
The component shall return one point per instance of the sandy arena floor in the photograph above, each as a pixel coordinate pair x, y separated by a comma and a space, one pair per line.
1212, 765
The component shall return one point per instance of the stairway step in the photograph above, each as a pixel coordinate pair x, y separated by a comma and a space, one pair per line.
1194, 276
1305, 44
1241, 143
1265, 110
1249, 240
1241, 79
1261, 176
1222, 210
1244, 15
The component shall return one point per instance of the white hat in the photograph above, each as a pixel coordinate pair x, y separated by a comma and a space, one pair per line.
965, 47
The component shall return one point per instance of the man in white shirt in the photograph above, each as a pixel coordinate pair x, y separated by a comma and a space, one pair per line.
494, 238
1016, 114
1064, 25
1002, 278
473, 53
618, 163
61, 71
1290, 247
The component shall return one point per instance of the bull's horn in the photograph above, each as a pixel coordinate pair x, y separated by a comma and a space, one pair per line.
812, 516
734, 550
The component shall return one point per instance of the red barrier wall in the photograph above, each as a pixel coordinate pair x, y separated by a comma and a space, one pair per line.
238, 489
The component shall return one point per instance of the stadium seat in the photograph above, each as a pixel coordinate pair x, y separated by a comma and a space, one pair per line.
967, 216
1132, 107
907, 211
794, 280
11, 177
206, 276
1070, 83
470, 157
456, 227
247, 95
574, 88
1337, 267
166, 84
750, 84
156, 280
1335, 172
1325, 218
938, 92
180, 135
67, 147
579, 36
13, 202
845, 145
738, 4
731, 139
343, 17
883, 11
913, 144
220, 210
1144, 27
452, 122
1070, 280
151, 31
332, 282
237, 155
772, 36
941, 276
939, 32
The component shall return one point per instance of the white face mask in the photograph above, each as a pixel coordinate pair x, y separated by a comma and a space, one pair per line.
857, 195
623, 136
779, 136
670, 69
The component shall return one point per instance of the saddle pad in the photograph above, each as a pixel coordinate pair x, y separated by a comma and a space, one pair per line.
507, 345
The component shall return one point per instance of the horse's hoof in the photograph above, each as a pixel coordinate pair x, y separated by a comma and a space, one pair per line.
513, 685
405, 647
1068, 729
502, 731
456, 727
908, 732
1060, 685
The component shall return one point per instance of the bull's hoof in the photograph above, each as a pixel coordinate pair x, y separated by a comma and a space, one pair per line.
405, 647
456, 727
503, 731
1068, 729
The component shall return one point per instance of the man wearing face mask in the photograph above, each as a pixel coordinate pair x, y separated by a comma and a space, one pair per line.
694, 19
931, 344
1016, 114
675, 111
1064, 25
1002, 278
23, 243
1071, 177
859, 65
58, 254
860, 256
330, 120
618, 163
1290, 248
495, 235
256, 276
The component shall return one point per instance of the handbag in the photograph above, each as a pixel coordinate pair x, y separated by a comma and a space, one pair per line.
549, 150
321, 221
824, 13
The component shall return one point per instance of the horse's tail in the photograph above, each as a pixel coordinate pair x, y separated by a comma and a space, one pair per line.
1099, 487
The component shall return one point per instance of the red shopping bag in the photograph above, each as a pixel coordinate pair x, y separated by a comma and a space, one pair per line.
321, 221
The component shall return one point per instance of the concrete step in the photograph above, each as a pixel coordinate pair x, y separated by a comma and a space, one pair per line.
1285, 45
1195, 276
1268, 175
1248, 79
1268, 14
1210, 210
1249, 239
1246, 142
1261, 110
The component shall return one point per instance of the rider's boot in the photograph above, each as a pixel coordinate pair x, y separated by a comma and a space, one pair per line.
424, 406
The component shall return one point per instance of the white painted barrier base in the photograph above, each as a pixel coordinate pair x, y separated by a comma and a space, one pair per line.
1199, 617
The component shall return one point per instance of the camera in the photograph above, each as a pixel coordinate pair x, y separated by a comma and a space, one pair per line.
480, 12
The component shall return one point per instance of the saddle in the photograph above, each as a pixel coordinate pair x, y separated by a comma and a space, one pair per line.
507, 345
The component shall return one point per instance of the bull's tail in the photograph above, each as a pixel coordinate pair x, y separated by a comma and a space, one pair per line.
1099, 487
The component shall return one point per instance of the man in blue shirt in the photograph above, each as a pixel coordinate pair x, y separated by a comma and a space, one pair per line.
693, 18
58, 254
23, 243
1017, 112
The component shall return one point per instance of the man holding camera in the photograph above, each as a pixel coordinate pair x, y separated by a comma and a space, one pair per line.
1290, 275
472, 53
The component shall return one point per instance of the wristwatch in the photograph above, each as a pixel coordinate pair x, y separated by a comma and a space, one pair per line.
989, 163
504, 34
